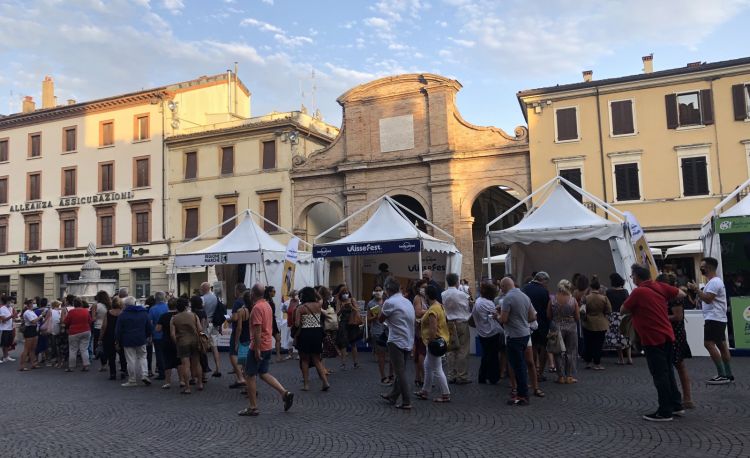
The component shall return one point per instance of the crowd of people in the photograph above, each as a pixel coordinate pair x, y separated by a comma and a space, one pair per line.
526, 331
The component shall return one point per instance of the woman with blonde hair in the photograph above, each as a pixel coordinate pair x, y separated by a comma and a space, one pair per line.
565, 314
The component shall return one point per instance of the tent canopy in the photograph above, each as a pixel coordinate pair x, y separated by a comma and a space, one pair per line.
741, 208
561, 218
691, 248
388, 230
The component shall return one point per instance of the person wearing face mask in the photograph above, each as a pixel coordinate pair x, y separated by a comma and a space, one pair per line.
330, 324
420, 350
349, 321
379, 334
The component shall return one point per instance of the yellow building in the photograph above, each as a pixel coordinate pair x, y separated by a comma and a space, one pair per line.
93, 172
664, 145
217, 171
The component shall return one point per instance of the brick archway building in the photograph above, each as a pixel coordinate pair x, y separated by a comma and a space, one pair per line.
403, 135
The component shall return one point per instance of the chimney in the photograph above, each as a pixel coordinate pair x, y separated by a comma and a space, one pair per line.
71, 102
587, 75
28, 104
694, 64
648, 63
48, 93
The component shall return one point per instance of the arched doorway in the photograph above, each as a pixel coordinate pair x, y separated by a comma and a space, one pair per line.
413, 205
488, 205
315, 219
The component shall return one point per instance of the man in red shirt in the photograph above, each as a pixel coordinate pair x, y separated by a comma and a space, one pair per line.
648, 306
259, 356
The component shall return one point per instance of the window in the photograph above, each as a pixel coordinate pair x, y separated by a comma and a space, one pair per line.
191, 165
269, 155
689, 109
141, 127
622, 117
68, 234
227, 160
228, 211
271, 213
142, 172
32, 236
106, 133
4, 150
106, 176
694, 176
142, 227
4, 236
34, 186
566, 124
69, 139
35, 145
627, 186
740, 101
574, 176
142, 282
3, 190
105, 230
69, 182
191, 223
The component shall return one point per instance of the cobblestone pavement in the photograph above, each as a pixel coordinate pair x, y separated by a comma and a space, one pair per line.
47, 412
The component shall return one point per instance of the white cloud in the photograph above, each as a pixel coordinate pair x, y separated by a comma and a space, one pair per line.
264, 26
174, 6
378, 23
349, 74
267, 2
292, 41
464, 43
441, 23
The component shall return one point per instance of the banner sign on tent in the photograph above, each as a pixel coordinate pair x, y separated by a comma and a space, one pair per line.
210, 259
733, 225
643, 254
367, 249
290, 266
741, 321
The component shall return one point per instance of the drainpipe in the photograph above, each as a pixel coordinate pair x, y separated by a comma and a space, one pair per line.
163, 180
601, 147
716, 138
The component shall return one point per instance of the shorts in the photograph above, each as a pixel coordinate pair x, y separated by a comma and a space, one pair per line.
187, 350
30, 332
254, 367
714, 331
6, 339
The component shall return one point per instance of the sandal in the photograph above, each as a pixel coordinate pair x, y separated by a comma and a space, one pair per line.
166, 386
443, 398
539, 393
388, 398
571, 380
248, 412
326, 387
421, 395
560, 381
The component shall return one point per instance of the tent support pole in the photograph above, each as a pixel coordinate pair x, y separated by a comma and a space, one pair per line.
424, 220
419, 259
347, 219
489, 259
207, 231
525, 199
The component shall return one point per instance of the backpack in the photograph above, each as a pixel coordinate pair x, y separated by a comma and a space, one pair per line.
219, 314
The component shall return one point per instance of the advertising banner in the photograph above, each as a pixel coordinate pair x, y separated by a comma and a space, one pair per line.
643, 253
733, 225
741, 321
367, 249
290, 266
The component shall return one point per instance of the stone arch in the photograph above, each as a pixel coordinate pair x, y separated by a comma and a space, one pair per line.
479, 186
416, 196
304, 208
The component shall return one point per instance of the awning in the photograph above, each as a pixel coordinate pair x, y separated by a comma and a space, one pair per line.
689, 249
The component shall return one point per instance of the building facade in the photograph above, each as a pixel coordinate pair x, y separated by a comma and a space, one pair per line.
665, 145
218, 171
403, 136
93, 172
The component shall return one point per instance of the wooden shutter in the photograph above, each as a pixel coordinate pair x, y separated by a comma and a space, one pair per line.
269, 155
3, 191
3, 239
567, 128
228, 211
191, 223
271, 213
738, 102
707, 107
105, 230
3, 150
227, 160
626, 178
670, 100
695, 176
191, 165
622, 117
574, 176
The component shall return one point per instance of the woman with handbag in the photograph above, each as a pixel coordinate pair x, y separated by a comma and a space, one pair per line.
563, 310
491, 335
378, 335
169, 349
595, 325
349, 323
433, 328
330, 324
420, 303
309, 337
30, 334
185, 330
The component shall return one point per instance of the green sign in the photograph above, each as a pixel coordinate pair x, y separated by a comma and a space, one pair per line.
741, 321
733, 224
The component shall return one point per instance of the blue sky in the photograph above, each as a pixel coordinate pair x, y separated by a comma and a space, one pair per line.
98, 48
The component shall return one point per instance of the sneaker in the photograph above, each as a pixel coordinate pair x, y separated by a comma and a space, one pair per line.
146, 381
679, 413
731, 378
718, 380
129, 384
519, 401
656, 417
2, 360
10, 360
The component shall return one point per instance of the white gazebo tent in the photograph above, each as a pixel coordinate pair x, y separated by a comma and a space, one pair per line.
561, 236
264, 256
390, 234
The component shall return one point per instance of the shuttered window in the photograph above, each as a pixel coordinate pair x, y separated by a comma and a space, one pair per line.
142, 173
69, 233
228, 211
227, 160
4, 150
689, 109
622, 117
191, 223
741, 101
35, 186
32, 236
574, 176
626, 182
191, 165
107, 133
69, 182
269, 155
106, 177
105, 230
4, 190
142, 227
69, 139
3, 239
567, 124
694, 176
35, 145
271, 213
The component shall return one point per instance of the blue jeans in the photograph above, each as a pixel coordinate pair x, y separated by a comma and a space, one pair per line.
517, 360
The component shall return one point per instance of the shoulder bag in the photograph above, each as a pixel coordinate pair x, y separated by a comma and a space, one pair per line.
204, 342
355, 319
331, 321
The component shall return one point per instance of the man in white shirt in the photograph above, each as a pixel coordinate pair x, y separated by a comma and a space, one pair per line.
457, 312
397, 313
714, 305
7, 314
209, 306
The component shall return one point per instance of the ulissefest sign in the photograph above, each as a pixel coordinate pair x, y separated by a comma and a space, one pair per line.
74, 201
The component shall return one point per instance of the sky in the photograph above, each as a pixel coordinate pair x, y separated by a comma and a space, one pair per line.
285, 48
